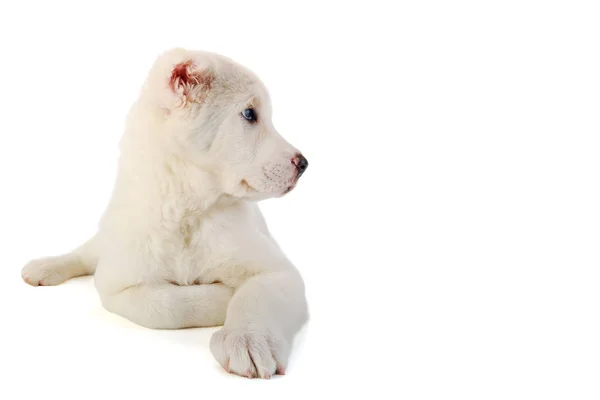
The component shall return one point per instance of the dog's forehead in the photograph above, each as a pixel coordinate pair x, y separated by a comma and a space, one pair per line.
246, 87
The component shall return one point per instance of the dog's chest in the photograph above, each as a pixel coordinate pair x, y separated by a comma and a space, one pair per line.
203, 249
186, 251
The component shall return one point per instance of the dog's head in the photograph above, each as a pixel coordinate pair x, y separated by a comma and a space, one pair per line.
216, 114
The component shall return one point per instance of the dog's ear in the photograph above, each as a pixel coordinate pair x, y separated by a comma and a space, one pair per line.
191, 83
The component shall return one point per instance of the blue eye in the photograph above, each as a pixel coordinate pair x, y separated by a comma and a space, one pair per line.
249, 114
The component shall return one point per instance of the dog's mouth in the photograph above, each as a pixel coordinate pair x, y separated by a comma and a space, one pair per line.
246, 186
289, 189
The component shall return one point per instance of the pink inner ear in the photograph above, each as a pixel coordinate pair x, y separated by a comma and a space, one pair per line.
180, 76
188, 79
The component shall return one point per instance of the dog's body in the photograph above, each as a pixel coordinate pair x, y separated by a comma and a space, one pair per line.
182, 242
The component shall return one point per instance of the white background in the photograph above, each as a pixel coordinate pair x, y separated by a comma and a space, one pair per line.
447, 228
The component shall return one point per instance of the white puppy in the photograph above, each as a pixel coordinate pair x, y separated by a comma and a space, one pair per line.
182, 242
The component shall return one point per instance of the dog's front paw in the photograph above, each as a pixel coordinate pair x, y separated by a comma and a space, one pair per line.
43, 272
252, 352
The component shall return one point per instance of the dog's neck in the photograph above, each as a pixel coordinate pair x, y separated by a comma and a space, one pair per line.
195, 188
160, 179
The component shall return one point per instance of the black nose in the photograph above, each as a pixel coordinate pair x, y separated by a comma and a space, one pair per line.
301, 163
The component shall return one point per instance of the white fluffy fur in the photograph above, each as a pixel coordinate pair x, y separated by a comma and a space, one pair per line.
182, 242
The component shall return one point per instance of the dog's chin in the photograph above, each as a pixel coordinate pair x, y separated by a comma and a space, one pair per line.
251, 192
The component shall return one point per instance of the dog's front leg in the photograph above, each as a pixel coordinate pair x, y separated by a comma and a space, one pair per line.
262, 319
